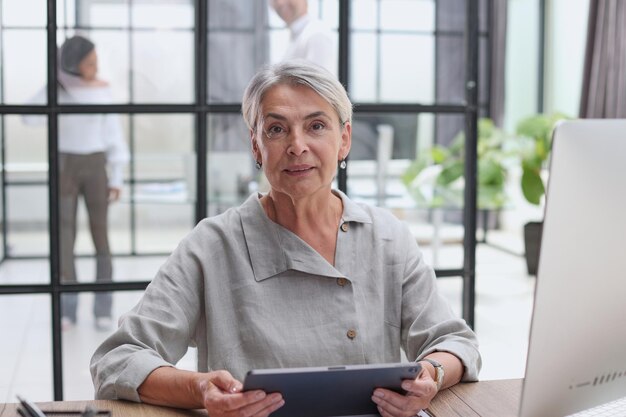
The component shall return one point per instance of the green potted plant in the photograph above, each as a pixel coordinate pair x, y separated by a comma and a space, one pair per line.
535, 140
436, 178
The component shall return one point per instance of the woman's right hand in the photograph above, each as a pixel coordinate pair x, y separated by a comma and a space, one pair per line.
222, 396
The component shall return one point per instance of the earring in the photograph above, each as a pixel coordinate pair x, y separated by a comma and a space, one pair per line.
342, 164
258, 165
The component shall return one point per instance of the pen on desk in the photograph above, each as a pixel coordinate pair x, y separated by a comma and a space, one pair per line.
89, 412
29, 408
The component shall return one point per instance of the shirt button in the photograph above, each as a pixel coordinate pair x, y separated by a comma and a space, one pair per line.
344, 227
342, 282
351, 334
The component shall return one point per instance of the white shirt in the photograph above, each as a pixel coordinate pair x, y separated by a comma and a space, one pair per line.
312, 40
84, 134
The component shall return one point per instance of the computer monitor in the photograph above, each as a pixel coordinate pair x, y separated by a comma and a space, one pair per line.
577, 347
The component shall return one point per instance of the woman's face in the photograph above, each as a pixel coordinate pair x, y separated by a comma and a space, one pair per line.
88, 67
299, 140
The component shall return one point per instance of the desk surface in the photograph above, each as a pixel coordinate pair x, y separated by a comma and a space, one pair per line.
479, 399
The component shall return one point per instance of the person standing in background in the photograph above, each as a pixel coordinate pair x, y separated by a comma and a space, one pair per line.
310, 39
88, 145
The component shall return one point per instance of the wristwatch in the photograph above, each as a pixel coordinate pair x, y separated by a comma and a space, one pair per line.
439, 373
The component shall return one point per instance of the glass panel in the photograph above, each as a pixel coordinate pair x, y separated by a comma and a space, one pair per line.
137, 268
81, 339
364, 14
238, 44
25, 355
451, 69
110, 50
24, 74
153, 82
164, 174
407, 68
66, 14
407, 15
364, 80
29, 13
382, 146
451, 288
484, 69
451, 15
160, 32
93, 13
328, 12
27, 188
231, 175
105, 13
172, 14
2, 187
384, 150
397, 56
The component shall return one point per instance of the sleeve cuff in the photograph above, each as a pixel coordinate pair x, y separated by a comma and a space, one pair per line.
129, 380
469, 357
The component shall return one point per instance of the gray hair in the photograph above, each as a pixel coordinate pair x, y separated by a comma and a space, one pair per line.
295, 72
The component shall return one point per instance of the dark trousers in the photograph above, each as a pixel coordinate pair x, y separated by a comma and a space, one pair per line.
84, 175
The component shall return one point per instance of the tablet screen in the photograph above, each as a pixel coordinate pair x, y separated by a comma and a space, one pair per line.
330, 391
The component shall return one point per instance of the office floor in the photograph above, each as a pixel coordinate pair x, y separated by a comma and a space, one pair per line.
504, 295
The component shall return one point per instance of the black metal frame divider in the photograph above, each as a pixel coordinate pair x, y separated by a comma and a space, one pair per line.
200, 109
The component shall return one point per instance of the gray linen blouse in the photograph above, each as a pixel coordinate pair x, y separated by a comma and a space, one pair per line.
251, 294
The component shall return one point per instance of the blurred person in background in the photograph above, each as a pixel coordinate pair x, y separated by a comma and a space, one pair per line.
92, 156
310, 39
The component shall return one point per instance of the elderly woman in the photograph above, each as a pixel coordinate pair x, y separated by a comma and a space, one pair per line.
300, 276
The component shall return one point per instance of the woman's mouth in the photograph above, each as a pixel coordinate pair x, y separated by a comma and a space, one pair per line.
299, 170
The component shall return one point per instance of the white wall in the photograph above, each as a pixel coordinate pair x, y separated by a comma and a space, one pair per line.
566, 37
521, 61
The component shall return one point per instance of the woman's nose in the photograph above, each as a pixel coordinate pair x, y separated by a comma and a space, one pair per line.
297, 143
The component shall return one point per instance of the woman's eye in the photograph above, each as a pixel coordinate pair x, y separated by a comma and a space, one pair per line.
318, 127
275, 131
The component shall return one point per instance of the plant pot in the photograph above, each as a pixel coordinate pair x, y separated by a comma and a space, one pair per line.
532, 242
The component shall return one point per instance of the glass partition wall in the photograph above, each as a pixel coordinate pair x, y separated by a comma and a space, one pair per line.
170, 76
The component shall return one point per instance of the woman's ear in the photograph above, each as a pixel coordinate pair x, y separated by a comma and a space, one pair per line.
256, 152
346, 140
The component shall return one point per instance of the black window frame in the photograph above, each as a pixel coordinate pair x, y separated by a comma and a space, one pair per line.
200, 109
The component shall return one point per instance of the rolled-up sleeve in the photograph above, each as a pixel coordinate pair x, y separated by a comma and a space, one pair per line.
428, 323
155, 333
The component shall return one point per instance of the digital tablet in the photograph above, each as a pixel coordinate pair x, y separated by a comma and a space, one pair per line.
330, 391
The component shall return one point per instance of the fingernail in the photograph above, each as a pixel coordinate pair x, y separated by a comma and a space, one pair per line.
406, 386
379, 394
260, 395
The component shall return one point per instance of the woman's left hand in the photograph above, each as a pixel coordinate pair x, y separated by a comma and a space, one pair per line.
114, 194
419, 393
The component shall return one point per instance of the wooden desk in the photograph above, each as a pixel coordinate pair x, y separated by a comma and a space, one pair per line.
479, 399
118, 408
